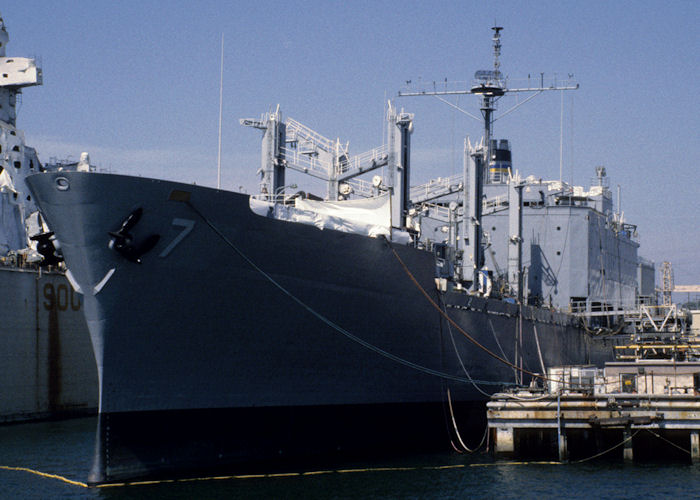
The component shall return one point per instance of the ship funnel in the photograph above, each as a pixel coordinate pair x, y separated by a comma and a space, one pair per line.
500, 164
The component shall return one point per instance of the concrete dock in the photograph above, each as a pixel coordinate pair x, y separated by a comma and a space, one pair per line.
591, 412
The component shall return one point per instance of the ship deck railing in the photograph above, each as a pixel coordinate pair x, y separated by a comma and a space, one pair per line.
296, 132
307, 163
643, 318
336, 166
436, 188
497, 203
437, 211
362, 187
279, 198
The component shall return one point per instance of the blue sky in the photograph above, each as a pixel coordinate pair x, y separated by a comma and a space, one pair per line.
136, 83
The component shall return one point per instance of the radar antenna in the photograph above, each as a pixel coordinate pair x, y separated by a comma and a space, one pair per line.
496, 47
491, 86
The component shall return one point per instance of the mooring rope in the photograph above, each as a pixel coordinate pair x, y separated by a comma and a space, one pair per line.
326, 320
495, 337
608, 450
455, 428
527, 399
668, 441
464, 368
539, 352
366, 344
454, 323
454, 424
542, 377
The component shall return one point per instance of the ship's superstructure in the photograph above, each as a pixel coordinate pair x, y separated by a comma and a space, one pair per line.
17, 160
540, 242
46, 365
571, 250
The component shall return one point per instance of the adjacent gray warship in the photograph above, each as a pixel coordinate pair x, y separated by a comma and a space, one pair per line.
47, 368
233, 330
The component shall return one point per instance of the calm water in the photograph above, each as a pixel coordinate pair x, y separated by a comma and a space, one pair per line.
65, 448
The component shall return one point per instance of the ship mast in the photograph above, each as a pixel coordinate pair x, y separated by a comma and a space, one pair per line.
490, 85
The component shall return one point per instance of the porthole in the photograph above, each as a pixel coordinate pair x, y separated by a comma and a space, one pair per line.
62, 184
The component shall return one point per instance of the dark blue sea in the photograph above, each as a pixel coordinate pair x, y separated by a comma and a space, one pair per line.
64, 448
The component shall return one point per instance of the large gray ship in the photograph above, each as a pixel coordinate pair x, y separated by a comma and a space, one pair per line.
47, 368
233, 330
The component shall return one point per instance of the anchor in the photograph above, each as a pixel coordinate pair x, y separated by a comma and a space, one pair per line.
123, 241
44, 245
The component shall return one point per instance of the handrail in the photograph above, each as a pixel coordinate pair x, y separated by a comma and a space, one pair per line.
361, 187
435, 188
297, 129
369, 160
307, 164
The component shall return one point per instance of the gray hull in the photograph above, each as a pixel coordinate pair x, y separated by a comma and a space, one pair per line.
47, 368
274, 325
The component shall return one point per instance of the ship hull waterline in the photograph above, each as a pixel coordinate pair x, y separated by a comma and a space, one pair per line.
233, 318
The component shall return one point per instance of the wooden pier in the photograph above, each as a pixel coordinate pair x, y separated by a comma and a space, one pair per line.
602, 409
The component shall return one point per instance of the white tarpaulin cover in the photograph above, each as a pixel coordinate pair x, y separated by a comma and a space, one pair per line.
370, 216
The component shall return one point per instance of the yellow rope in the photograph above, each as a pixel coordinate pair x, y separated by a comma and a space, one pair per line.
269, 476
312, 473
45, 474
516, 463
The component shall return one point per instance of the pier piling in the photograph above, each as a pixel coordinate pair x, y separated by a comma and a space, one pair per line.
505, 442
628, 452
595, 412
